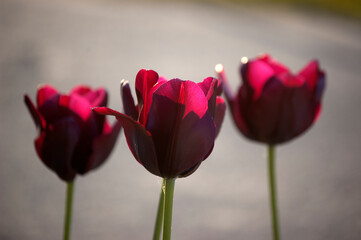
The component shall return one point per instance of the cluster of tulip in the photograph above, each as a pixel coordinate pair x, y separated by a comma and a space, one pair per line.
172, 129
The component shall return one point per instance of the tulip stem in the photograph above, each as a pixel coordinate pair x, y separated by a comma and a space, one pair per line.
159, 219
168, 208
273, 193
68, 209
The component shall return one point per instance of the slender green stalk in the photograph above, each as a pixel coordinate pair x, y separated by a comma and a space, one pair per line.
168, 208
273, 192
159, 219
68, 210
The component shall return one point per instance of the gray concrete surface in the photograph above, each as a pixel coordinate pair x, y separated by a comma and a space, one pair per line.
100, 42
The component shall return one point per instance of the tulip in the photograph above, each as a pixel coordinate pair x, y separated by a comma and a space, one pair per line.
274, 106
173, 127
72, 139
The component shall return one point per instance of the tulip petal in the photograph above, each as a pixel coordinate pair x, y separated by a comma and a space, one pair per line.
58, 147
186, 93
144, 82
320, 86
230, 96
35, 114
183, 131
103, 145
255, 74
219, 115
209, 87
310, 74
290, 80
280, 114
78, 105
128, 101
277, 67
138, 138
239, 109
190, 171
98, 98
44, 93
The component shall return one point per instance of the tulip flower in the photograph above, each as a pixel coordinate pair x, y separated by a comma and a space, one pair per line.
173, 127
72, 139
274, 106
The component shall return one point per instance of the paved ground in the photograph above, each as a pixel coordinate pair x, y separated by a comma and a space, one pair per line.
71, 42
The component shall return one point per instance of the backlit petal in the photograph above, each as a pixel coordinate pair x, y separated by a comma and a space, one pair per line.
144, 82
209, 87
77, 104
310, 74
44, 93
277, 67
256, 75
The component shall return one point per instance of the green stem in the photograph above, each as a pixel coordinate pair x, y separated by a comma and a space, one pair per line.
159, 220
273, 193
168, 208
68, 210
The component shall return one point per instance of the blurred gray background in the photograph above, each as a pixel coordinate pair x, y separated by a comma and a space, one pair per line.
65, 43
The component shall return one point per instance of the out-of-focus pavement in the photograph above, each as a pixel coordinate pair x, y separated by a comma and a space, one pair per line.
100, 42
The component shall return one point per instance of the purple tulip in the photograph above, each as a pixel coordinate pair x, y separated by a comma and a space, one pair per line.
173, 127
273, 105
72, 139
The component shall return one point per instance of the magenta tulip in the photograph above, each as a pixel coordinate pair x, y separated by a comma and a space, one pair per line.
72, 139
273, 105
173, 127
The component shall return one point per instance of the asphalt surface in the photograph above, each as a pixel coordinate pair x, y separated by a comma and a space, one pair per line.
65, 43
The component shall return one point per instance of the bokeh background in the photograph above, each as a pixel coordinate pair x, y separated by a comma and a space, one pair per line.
65, 43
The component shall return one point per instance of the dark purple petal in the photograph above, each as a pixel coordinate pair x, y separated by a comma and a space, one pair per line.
219, 115
102, 146
238, 110
58, 146
50, 110
320, 86
128, 101
280, 113
290, 80
35, 114
139, 140
191, 170
106, 111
